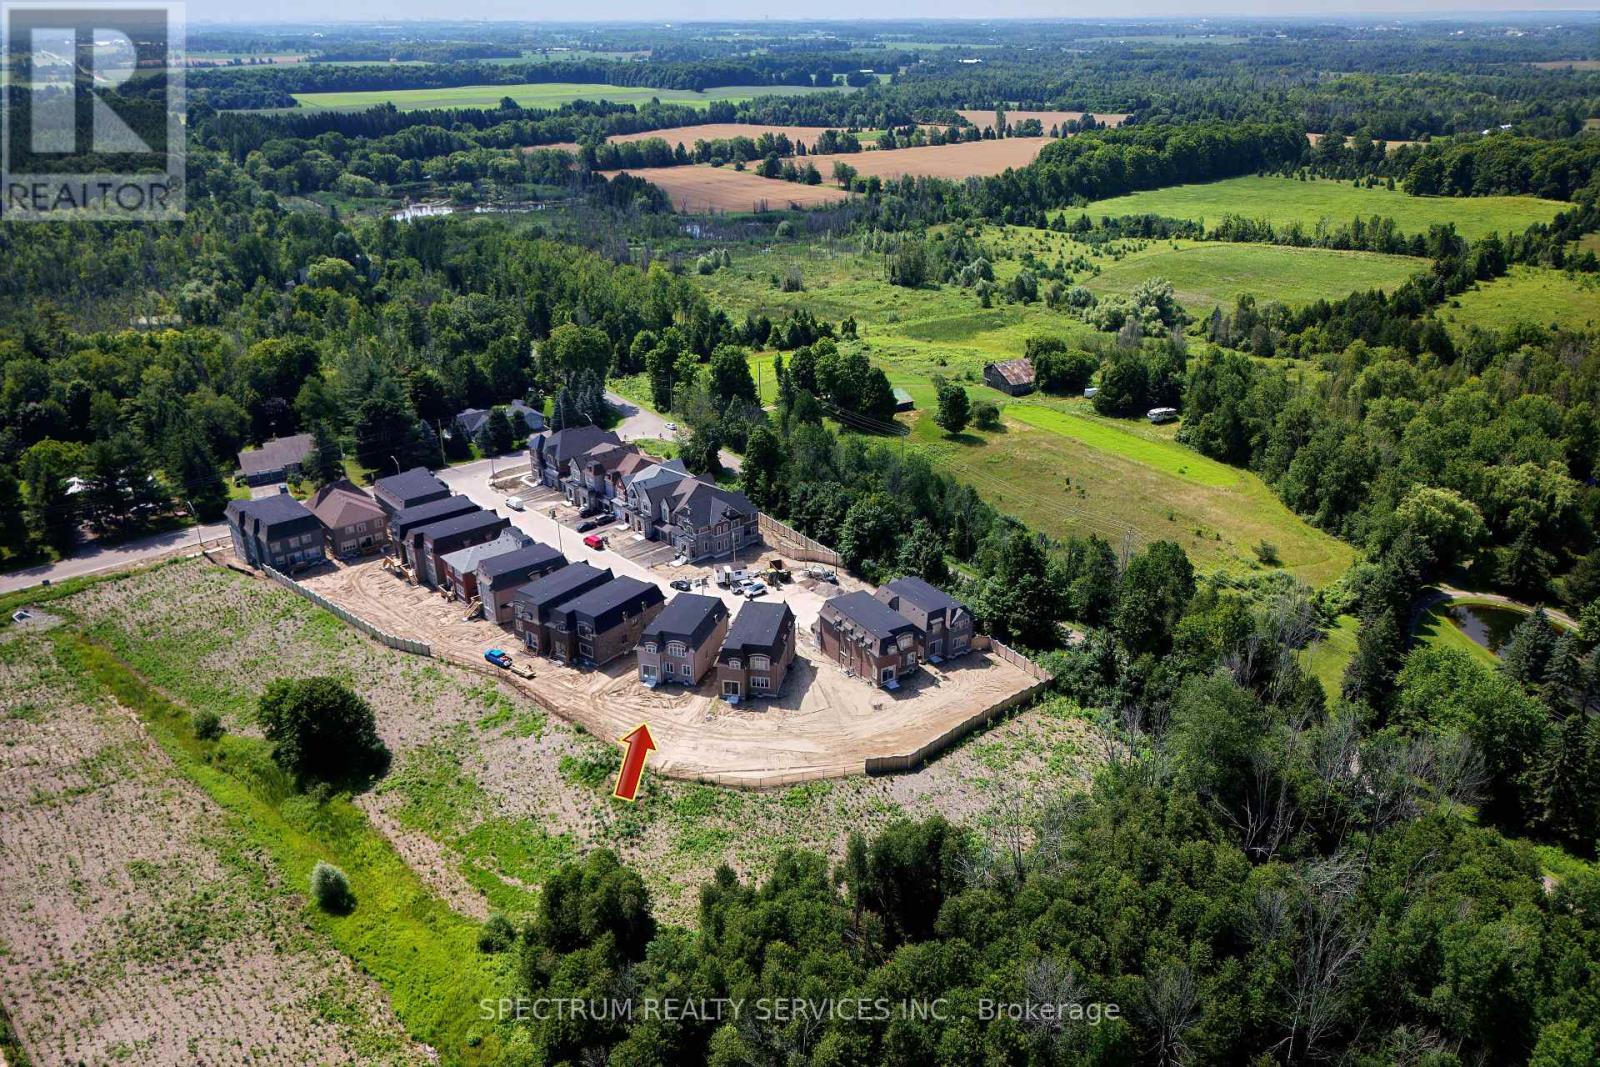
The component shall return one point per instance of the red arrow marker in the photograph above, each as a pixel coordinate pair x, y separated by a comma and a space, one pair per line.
640, 744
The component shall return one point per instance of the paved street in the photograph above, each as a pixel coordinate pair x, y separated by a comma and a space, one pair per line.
92, 559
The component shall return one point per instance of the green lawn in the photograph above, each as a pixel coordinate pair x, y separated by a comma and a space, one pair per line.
1535, 295
540, 94
1435, 628
1206, 274
1328, 658
1285, 200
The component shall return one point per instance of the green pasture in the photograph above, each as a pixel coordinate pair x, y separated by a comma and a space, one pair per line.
1537, 295
1285, 200
537, 94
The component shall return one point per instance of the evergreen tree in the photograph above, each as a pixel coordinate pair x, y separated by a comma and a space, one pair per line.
326, 462
195, 471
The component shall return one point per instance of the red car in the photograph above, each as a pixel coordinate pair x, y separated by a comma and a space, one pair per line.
595, 541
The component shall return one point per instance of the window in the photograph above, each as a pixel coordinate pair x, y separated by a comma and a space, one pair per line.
730, 688
361, 527
886, 675
586, 651
646, 671
666, 513
760, 681
904, 642
585, 629
734, 664
650, 647
759, 663
676, 648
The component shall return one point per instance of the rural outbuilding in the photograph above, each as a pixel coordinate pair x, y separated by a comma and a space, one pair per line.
1013, 376
681, 643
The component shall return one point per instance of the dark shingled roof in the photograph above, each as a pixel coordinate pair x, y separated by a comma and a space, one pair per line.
916, 591
271, 510
870, 613
597, 603
549, 591
278, 454
528, 556
410, 485
405, 520
688, 615
758, 625
472, 520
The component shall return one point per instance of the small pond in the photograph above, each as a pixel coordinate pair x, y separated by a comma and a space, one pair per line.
1487, 625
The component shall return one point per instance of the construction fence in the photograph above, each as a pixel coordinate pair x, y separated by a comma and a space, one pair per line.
910, 761
404, 644
794, 544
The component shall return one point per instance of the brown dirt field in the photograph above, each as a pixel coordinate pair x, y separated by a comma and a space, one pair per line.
695, 189
984, 120
475, 760
971, 159
132, 926
1316, 138
825, 725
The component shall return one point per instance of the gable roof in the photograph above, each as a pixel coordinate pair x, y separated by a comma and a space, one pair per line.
560, 585
706, 503
405, 520
759, 624
870, 614
341, 503
416, 484
689, 615
564, 445
1014, 371
471, 522
914, 590
471, 420
615, 594
269, 511
467, 559
278, 454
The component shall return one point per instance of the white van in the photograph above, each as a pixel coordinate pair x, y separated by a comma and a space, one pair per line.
514, 503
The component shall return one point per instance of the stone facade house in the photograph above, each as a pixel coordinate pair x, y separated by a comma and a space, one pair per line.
944, 625
354, 523
275, 531
756, 652
680, 645
866, 637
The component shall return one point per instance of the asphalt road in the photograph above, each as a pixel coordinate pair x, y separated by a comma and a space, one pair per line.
92, 559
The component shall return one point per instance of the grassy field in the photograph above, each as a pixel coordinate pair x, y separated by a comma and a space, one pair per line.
1055, 463
540, 94
1538, 295
1285, 200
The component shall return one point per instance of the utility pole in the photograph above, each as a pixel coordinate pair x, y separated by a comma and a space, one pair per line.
438, 425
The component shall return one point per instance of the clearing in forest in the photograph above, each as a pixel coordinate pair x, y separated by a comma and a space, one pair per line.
1282, 201
722, 131
984, 120
1538, 295
702, 188
969, 159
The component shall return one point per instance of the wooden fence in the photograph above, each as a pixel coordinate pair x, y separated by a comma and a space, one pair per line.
794, 544
910, 761
404, 644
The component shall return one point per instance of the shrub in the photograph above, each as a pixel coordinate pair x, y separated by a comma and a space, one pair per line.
331, 889
321, 729
986, 415
1267, 553
497, 934
207, 725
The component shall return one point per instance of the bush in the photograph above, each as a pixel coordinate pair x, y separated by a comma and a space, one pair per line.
986, 415
497, 934
331, 889
320, 729
1267, 553
207, 725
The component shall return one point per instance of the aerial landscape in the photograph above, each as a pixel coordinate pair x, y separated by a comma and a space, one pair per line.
774, 537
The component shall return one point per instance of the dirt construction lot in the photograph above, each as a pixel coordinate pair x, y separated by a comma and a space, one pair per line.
824, 725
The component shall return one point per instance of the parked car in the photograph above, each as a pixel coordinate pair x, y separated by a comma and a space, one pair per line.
753, 588
595, 541
514, 503
672, 427
497, 657
682, 585
586, 525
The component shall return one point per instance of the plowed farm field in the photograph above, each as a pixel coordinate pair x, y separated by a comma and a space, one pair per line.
699, 189
985, 119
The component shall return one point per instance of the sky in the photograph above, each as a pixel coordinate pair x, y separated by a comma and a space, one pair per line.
200, 11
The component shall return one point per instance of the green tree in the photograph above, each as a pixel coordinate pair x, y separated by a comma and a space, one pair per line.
1018, 601
1152, 594
194, 470
761, 474
320, 729
330, 888
572, 349
922, 553
730, 376
701, 453
326, 462
52, 511
497, 435
387, 432
955, 409
1446, 523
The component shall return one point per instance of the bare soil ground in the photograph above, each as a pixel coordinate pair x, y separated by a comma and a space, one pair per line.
701, 189
823, 725
132, 927
487, 792
970, 159
984, 120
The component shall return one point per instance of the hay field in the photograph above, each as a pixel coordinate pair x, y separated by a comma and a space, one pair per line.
706, 188
1537, 295
1316, 138
971, 159
984, 120
533, 94
721, 131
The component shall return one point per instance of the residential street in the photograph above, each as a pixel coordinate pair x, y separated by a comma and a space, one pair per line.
638, 421
92, 559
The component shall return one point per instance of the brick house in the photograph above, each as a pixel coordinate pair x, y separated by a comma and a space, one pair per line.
277, 460
756, 652
458, 570
866, 637
680, 644
551, 454
595, 628
353, 522
700, 519
404, 523
430, 544
1012, 376
408, 489
534, 604
944, 625
275, 531
499, 577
